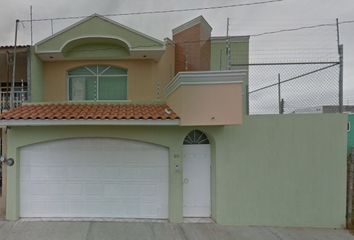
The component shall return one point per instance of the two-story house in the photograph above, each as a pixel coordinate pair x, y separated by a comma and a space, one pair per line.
122, 125
103, 133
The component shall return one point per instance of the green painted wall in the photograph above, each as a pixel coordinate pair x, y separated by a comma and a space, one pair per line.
36, 78
171, 137
97, 26
285, 170
351, 133
271, 171
239, 54
96, 51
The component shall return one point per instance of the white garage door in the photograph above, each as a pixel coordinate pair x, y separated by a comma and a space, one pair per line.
94, 177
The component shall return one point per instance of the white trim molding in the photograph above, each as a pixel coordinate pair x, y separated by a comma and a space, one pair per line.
82, 122
105, 19
205, 78
191, 23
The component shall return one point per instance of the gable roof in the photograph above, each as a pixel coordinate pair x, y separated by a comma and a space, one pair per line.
107, 28
195, 21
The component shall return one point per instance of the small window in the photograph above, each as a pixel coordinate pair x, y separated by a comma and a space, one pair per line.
94, 83
196, 137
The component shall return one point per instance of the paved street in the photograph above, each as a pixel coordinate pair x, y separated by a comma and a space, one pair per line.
36, 230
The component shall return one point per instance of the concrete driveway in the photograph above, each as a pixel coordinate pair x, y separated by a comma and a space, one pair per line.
36, 230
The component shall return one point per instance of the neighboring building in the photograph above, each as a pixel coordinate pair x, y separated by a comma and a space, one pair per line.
123, 125
325, 109
21, 76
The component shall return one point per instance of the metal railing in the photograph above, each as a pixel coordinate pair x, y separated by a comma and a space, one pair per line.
20, 96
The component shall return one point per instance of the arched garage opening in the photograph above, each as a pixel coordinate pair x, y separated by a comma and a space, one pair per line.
94, 177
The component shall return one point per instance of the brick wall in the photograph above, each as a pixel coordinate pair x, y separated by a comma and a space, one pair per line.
192, 49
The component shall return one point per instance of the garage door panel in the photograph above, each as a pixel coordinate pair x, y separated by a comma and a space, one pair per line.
74, 189
92, 178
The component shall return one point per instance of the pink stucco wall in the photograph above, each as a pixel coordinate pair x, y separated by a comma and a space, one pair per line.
208, 104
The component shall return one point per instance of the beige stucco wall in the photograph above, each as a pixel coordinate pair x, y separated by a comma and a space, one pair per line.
165, 69
144, 77
212, 104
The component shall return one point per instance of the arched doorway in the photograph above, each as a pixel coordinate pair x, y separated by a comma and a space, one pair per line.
196, 175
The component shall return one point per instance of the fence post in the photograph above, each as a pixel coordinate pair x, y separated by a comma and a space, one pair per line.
340, 85
282, 103
247, 99
279, 95
350, 188
341, 107
22, 92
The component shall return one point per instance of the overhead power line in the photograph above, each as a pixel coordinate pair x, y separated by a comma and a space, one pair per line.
160, 11
301, 28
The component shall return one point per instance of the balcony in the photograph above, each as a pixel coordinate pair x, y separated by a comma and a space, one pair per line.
207, 98
20, 96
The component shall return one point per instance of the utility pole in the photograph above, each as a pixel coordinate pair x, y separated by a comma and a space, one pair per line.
340, 85
228, 48
31, 23
12, 93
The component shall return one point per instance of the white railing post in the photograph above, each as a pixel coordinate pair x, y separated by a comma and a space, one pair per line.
22, 92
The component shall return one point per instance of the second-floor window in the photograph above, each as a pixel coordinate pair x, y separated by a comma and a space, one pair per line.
97, 82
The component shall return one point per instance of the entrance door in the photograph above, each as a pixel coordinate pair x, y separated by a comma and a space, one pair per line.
196, 175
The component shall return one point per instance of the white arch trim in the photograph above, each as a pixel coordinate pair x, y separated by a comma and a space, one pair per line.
96, 36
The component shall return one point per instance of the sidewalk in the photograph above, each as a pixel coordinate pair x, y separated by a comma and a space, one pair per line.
28, 230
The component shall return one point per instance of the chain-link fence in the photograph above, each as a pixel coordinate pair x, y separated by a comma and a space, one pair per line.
293, 87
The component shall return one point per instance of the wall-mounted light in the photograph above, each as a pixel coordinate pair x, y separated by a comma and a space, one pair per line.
8, 161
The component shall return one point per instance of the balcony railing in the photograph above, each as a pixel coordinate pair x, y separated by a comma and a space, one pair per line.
20, 96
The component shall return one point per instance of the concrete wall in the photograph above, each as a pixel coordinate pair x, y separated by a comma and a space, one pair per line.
166, 68
171, 137
272, 170
283, 171
36, 78
144, 77
239, 55
140, 78
206, 105
239, 52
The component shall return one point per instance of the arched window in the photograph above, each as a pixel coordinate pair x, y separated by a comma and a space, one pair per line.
97, 82
196, 137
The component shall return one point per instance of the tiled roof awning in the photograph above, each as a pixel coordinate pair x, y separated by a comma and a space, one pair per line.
101, 112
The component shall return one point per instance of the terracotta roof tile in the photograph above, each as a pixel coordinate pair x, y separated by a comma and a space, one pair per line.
11, 46
76, 111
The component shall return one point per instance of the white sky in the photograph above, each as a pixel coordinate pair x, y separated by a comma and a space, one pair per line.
316, 44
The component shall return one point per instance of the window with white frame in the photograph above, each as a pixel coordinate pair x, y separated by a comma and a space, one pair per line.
97, 82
